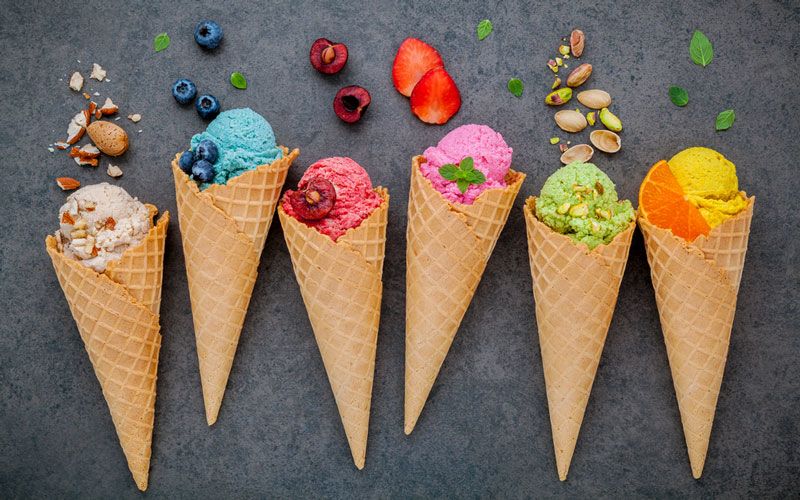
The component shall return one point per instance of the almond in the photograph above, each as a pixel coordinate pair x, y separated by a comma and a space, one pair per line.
595, 98
110, 138
67, 183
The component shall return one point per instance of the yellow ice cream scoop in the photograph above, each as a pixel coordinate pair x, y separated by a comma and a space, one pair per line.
709, 182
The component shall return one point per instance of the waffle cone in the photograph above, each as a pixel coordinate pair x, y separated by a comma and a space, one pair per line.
223, 230
696, 286
448, 246
341, 287
576, 292
117, 317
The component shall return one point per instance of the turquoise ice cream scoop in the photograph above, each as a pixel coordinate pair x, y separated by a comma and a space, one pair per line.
244, 140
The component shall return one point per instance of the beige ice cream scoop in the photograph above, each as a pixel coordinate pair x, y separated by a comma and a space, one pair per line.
99, 222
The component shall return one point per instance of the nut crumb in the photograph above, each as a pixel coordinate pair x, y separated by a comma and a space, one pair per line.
135, 117
97, 93
114, 171
76, 82
51, 149
67, 183
98, 73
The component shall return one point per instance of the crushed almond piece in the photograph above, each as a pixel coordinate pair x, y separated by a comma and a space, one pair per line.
91, 162
61, 145
66, 218
98, 114
98, 73
135, 117
87, 96
92, 107
95, 251
108, 107
114, 171
76, 82
67, 183
110, 224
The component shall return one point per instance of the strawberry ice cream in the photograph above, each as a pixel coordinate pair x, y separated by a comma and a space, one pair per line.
334, 195
490, 153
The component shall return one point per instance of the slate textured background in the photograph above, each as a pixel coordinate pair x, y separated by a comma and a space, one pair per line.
485, 430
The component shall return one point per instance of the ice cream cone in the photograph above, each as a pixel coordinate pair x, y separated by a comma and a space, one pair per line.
341, 287
117, 317
696, 286
448, 246
576, 292
223, 230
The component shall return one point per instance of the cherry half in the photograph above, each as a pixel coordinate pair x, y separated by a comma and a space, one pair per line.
351, 102
315, 201
328, 57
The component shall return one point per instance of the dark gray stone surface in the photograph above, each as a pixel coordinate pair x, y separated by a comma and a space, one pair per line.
485, 430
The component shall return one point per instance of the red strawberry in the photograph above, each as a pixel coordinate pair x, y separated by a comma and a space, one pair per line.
414, 58
435, 98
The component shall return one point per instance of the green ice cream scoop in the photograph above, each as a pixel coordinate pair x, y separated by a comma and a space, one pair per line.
580, 201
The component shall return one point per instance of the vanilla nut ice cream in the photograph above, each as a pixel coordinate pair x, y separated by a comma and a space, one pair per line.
99, 222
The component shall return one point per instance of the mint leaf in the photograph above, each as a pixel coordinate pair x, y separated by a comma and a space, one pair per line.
515, 87
484, 29
448, 171
161, 42
700, 49
238, 80
463, 185
725, 120
678, 96
477, 177
467, 164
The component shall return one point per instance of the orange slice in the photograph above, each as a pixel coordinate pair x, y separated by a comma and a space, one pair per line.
662, 203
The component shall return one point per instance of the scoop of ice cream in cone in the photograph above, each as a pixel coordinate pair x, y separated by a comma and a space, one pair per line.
696, 226
335, 227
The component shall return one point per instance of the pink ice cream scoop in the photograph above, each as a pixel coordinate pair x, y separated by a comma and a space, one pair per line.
334, 195
490, 153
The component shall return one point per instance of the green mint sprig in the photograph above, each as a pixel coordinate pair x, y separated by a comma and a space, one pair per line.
238, 80
484, 29
678, 96
725, 120
462, 174
161, 42
700, 49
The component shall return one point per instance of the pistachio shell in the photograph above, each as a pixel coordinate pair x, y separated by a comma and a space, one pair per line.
570, 120
109, 138
579, 152
606, 141
595, 98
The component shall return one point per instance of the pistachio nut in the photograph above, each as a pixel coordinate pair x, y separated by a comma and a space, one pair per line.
554, 140
563, 50
579, 152
610, 120
595, 98
563, 208
576, 42
579, 75
556, 83
590, 118
603, 214
570, 121
579, 210
606, 141
558, 97
598, 186
552, 65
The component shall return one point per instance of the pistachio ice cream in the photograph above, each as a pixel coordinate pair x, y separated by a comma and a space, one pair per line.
99, 222
580, 201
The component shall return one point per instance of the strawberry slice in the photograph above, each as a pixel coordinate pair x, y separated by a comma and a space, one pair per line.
414, 58
435, 98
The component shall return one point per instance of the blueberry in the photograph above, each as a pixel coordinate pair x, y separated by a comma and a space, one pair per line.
208, 34
186, 162
207, 106
203, 171
206, 150
183, 90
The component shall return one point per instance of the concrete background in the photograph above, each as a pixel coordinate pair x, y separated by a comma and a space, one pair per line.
485, 430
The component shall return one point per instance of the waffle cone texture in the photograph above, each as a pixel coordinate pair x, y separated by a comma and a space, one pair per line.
448, 246
223, 230
575, 290
342, 287
696, 285
117, 316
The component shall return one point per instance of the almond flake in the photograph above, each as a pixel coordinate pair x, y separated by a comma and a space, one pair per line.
98, 73
76, 82
66, 218
114, 171
61, 145
135, 117
67, 183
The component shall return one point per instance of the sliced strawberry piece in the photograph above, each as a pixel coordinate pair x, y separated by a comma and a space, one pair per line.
435, 98
414, 58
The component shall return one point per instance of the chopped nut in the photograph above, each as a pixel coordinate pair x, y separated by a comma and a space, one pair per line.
114, 171
94, 251
563, 50
89, 206
76, 82
92, 162
110, 224
579, 210
92, 107
605, 214
559, 61
595, 226
108, 107
554, 140
61, 145
135, 117
552, 65
81, 224
590, 117
78, 234
66, 218
563, 208
98, 73
562, 147
599, 187
556, 83
87, 96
